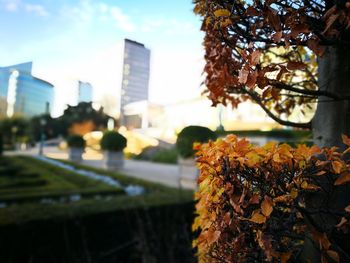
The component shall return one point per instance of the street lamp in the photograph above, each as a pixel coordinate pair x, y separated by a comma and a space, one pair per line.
42, 136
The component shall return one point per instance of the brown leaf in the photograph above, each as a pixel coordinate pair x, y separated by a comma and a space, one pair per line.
277, 37
330, 22
333, 255
251, 80
267, 206
285, 257
347, 209
213, 236
255, 199
346, 139
251, 11
243, 76
343, 178
255, 57
295, 65
274, 19
315, 46
342, 222
336, 165
258, 218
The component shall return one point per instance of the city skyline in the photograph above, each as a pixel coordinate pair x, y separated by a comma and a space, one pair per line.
81, 40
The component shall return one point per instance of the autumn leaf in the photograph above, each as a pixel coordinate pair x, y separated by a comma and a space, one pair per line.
342, 222
222, 12
346, 139
258, 218
243, 76
333, 255
277, 37
254, 199
336, 165
285, 257
295, 65
343, 178
347, 209
255, 57
267, 206
213, 236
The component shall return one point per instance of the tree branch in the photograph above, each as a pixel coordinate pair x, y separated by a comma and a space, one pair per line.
255, 97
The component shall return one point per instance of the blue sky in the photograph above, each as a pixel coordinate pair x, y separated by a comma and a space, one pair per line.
79, 39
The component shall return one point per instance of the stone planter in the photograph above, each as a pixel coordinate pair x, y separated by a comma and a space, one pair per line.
113, 160
75, 154
188, 173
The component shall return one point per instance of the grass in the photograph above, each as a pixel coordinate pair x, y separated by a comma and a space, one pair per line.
63, 181
25, 178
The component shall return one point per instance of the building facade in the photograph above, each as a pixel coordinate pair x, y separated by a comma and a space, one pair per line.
135, 79
23, 94
84, 92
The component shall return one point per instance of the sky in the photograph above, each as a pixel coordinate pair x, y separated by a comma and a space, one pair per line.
71, 40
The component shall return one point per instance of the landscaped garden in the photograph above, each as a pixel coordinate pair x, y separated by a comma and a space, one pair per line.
53, 214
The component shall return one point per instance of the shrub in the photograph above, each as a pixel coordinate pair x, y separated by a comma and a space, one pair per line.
258, 204
113, 141
165, 156
76, 141
190, 135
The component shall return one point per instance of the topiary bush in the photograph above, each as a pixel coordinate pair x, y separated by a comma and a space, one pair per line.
271, 203
113, 141
190, 135
76, 141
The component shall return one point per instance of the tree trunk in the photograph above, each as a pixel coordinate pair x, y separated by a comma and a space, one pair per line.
332, 118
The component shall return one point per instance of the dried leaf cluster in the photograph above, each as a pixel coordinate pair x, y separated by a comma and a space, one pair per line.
255, 204
266, 51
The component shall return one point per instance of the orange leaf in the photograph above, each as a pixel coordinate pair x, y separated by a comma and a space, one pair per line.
336, 165
333, 255
213, 236
346, 139
343, 178
258, 218
285, 257
266, 206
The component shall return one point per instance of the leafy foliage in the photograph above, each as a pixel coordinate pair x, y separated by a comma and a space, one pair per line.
190, 135
252, 201
265, 51
113, 141
76, 141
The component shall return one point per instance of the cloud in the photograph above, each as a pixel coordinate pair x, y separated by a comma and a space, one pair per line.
122, 20
12, 5
36, 9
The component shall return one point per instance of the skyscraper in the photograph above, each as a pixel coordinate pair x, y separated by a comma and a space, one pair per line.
84, 92
136, 71
21, 93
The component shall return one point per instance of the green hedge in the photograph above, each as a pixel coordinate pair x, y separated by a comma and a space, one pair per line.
113, 141
190, 135
76, 141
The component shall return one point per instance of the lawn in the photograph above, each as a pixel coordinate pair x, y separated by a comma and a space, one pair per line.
25, 180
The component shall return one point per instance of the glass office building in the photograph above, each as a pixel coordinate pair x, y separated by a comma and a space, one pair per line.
84, 92
23, 94
136, 71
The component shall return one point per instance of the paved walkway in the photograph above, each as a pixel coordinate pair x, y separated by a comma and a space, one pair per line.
167, 174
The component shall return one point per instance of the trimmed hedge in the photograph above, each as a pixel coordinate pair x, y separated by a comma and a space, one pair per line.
113, 141
191, 134
76, 141
273, 203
